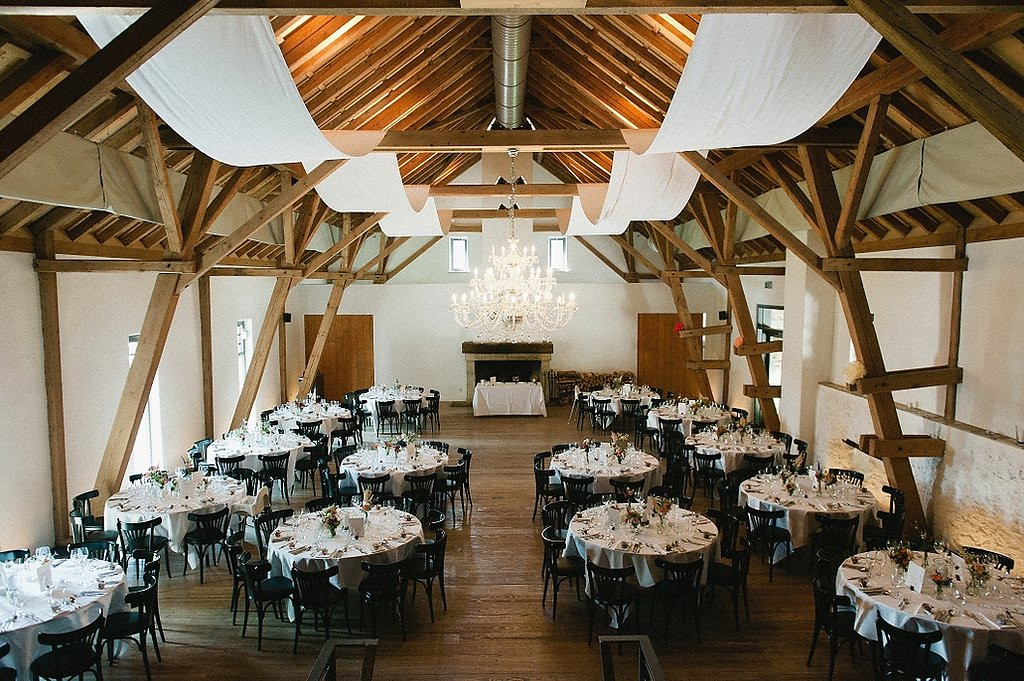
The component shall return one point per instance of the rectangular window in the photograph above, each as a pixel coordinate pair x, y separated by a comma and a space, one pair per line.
243, 339
458, 254
148, 449
770, 323
558, 253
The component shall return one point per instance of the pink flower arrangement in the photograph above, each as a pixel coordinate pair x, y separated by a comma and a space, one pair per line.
331, 518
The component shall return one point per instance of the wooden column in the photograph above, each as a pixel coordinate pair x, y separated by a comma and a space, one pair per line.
152, 337
261, 350
206, 348
53, 377
317, 351
956, 307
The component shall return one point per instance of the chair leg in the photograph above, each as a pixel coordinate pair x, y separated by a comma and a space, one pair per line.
814, 643
145, 655
298, 625
429, 588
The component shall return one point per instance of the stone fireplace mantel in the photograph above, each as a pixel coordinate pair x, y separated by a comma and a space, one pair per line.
514, 354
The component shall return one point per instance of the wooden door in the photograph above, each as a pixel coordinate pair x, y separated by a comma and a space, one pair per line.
347, 362
661, 356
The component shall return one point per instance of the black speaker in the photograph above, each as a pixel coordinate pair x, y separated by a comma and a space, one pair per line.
722, 315
287, 317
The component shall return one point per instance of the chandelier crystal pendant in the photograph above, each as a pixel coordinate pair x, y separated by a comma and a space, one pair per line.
513, 301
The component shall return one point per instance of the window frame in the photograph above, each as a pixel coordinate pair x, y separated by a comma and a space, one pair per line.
564, 241
452, 240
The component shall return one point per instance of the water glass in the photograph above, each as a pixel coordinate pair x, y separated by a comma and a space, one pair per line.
43, 552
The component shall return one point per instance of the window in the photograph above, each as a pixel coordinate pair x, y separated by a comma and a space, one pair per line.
148, 449
243, 338
558, 253
769, 328
458, 254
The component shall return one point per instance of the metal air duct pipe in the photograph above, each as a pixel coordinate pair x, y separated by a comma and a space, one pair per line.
510, 41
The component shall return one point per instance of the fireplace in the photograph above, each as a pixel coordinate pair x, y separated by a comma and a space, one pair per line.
505, 361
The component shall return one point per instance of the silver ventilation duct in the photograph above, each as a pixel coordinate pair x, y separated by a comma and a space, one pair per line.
510, 40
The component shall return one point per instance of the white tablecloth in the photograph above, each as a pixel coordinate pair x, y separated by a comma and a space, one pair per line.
259, 445
603, 467
288, 417
70, 579
509, 399
767, 492
718, 415
142, 502
389, 536
373, 462
378, 394
965, 637
644, 396
733, 452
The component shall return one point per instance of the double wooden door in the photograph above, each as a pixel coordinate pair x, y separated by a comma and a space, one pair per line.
347, 362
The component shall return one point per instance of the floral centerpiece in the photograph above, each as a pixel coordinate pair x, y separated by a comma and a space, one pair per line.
901, 556
331, 519
367, 501
660, 506
158, 477
633, 517
853, 372
620, 446
788, 478
977, 570
939, 574
587, 444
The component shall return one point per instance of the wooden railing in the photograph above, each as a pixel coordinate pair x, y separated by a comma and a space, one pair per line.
647, 665
326, 666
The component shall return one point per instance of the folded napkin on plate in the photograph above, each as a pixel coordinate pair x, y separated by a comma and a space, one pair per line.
298, 549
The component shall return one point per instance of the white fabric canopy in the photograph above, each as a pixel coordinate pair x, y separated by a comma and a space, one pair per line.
224, 86
749, 80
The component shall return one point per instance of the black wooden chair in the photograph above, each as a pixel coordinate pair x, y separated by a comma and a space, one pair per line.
1000, 560
907, 655
72, 653
833, 615
577, 489
209, 533
275, 469
6, 673
142, 535
265, 524
763, 530
382, 588
610, 590
314, 592
133, 625
427, 566
558, 568
680, 586
262, 592
731, 574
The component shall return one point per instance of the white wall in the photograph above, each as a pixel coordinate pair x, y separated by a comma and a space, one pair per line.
24, 449
97, 314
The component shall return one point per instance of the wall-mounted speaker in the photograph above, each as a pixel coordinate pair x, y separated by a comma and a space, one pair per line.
287, 317
722, 315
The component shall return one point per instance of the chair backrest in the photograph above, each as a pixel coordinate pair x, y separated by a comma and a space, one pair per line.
897, 499
14, 556
100, 549
313, 585
315, 505
666, 425
682, 575
275, 465
627, 490
554, 544
421, 486
558, 449
262, 500
540, 459
374, 483
438, 445
577, 488
266, 523
72, 643
411, 407
848, 475
265, 415
382, 581
757, 464
728, 533
253, 574
433, 552
608, 584
669, 492
386, 409
629, 407
760, 518
905, 651
738, 413
144, 599
435, 520
785, 438
838, 531
557, 514
83, 502
706, 461
1001, 561
309, 428
216, 520
138, 535
600, 499
226, 464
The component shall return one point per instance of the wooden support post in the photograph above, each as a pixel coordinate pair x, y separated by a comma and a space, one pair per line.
344, 241
908, 379
53, 376
282, 357
261, 350
317, 351
159, 178
152, 337
956, 307
206, 349
767, 348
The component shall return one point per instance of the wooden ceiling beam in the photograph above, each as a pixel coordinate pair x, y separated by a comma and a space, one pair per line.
449, 8
380, 257
328, 256
950, 71
86, 85
159, 178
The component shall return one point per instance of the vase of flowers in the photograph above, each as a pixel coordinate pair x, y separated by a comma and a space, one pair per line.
330, 517
978, 573
900, 556
939, 575
660, 506
633, 518
620, 446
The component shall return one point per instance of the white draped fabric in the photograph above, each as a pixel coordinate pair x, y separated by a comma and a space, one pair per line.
749, 80
224, 86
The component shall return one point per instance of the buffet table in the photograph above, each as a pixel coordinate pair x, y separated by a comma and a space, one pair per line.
509, 399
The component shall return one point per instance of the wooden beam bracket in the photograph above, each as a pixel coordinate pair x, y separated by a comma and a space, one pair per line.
701, 331
906, 446
894, 264
705, 364
907, 379
758, 348
762, 391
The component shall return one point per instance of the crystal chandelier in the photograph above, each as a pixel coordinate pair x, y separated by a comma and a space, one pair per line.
513, 301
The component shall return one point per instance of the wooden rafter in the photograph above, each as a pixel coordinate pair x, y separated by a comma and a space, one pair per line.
603, 258
83, 87
159, 178
380, 257
328, 256
409, 260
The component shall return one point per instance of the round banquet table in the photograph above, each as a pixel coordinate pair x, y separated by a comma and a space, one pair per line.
767, 492
645, 397
734, 447
254, 445
385, 394
144, 501
600, 464
967, 632
720, 416
81, 590
288, 416
381, 460
389, 536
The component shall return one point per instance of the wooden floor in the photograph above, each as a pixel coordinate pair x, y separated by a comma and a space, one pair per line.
495, 627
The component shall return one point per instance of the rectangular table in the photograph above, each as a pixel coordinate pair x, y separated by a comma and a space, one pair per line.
509, 399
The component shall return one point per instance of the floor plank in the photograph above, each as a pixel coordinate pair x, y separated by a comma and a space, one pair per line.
495, 628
